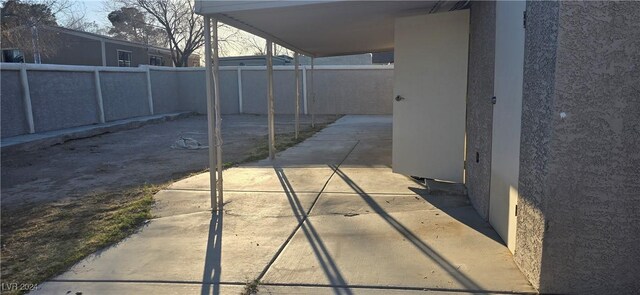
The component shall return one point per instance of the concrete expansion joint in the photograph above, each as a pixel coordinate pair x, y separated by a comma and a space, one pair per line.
305, 216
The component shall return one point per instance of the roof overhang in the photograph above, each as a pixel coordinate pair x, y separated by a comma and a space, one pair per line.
322, 28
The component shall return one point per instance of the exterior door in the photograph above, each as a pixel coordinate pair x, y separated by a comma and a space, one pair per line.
505, 153
430, 85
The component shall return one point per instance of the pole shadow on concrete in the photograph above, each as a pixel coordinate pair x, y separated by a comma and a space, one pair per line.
213, 256
331, 270
474, 222
469, 284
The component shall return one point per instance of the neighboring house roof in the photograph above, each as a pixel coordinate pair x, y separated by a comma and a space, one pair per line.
111, 39
105, 38
322, 28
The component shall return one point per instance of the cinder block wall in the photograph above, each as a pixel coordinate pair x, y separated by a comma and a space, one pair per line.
192, 92
337, 91
125, 95
357, 92
479, 106
165, 90
14, 120
579, 220
254, 93
64, 97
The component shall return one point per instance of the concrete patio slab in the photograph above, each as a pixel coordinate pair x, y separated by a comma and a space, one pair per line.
358, 128
262, 178
355, 204
265, 204
370, 231
404, 249
351, 133
313, 152
322, 290
370, 153
120, 288
188, 248
373, 180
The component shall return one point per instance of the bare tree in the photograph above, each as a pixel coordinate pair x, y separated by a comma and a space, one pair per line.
22, 23
184, 29
75, 18
255, 45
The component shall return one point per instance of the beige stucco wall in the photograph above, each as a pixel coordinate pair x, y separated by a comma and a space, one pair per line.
579, 220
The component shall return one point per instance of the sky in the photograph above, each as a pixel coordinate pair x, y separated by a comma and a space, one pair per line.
95, 11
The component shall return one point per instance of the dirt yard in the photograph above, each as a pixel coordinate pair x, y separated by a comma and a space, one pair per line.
134, 157
64, 202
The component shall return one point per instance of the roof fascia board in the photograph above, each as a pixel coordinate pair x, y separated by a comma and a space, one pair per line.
201, 6
356, 52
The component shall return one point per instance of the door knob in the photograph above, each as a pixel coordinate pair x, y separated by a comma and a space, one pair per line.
399, 98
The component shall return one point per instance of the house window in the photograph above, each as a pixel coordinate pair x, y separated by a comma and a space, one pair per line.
124, 58
12, 55
155, 60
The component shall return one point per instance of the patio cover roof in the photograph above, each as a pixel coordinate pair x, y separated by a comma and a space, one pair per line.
322, 28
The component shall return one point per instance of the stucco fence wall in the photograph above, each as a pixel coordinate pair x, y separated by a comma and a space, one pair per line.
39, 98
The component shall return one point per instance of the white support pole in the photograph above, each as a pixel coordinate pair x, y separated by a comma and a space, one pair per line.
304, 90
313, 95
96, 77
210, 112
218, 117
270, 108
149, 91
240, 108
26, 98
296, 67
104, 53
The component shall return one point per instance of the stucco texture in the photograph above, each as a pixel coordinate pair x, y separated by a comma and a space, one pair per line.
537, 101
479, 106
579, 226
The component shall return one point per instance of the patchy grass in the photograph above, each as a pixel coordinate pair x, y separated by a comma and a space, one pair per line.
42, 240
